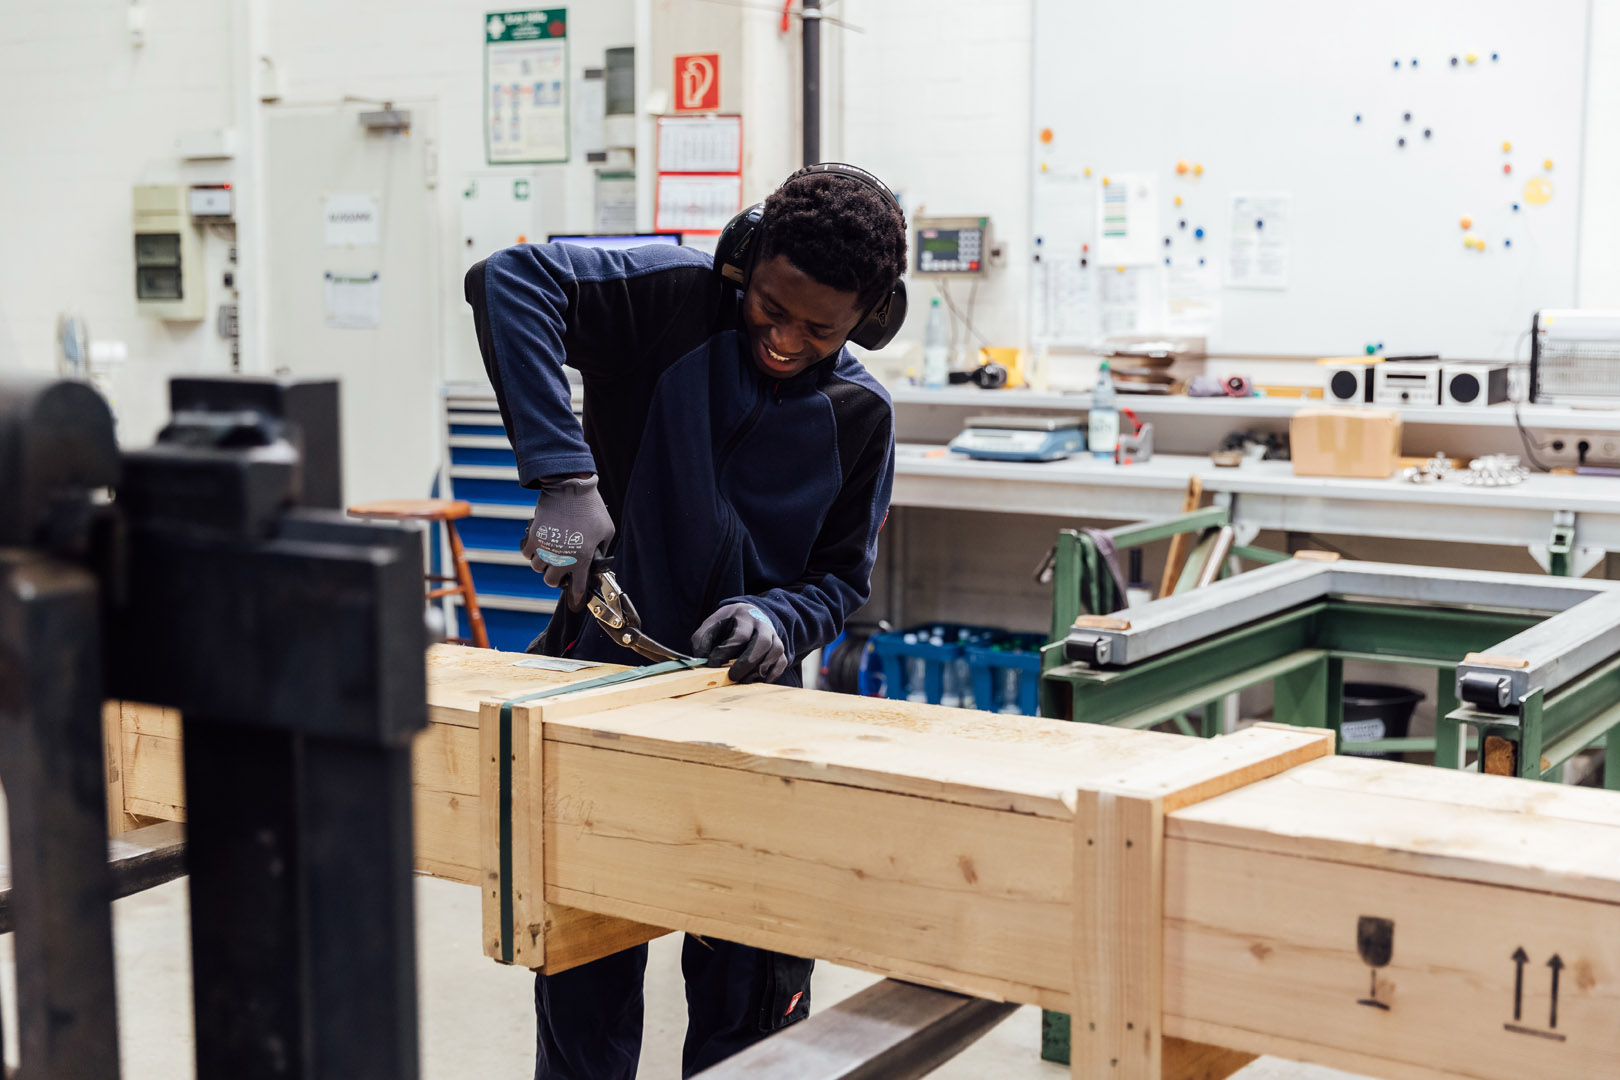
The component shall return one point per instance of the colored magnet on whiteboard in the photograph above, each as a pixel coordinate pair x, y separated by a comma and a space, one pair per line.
1120, 268
1466, 222
1414, 61
1515, 208
1547, 164
1507, 167
1200, 261
1358, 118
1088, 170
1178, 200
1105, 181
1167, 241
1167, 260
1538, 191
1259, 223
1198, 170
1183, 223
1199, 232
1507, 147
1046, 135
1397, 63
1182, 166
1493, 56
1043, 166
1371, 348
1472, 57
1085, 247
1400, 142
1406, 117
1453, 61
1507, 243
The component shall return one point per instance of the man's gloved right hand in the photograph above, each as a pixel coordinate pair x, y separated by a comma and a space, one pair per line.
571, 527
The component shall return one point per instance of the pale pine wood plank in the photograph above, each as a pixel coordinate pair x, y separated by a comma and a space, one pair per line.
445, 758
1188, 1060
1361, 1063
150, 719
1381, 814
881, 880
574, 937
489, 844
1115, 1028
446, 828
154, 776
112, 763
460, 678
1261, 950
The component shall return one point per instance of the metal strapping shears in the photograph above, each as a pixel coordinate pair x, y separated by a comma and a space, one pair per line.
618, 617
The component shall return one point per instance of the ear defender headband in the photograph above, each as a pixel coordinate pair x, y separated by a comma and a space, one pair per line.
740, 240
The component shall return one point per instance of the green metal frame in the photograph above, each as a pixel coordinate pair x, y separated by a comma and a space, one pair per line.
1302, 653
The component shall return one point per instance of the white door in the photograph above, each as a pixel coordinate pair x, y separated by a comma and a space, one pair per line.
351, 235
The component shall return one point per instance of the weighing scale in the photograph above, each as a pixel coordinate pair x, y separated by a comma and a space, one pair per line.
1020, 438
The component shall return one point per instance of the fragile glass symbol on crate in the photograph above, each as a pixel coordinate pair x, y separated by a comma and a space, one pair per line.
1375, 941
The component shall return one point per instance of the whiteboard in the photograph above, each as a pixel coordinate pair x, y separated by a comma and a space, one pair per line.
1264, 95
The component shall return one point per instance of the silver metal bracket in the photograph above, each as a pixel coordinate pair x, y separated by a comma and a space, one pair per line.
1560, 555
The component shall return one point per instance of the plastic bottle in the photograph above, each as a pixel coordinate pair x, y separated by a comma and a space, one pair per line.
936, 348
1102, 433
916, 674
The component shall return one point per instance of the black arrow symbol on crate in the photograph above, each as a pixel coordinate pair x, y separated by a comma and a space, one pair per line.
1557, 965
1519, 960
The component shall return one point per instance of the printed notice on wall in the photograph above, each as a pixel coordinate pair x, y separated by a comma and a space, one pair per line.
353, 301
1062, 308
615, 202
526, 86
1257, 249
1130, 300
1192, 299
1128, 220
351, 219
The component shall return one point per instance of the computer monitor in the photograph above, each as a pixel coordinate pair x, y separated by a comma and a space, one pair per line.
616, 241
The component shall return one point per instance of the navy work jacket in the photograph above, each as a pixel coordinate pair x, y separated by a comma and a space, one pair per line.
724, 483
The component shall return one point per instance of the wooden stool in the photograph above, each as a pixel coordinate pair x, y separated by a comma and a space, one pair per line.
445, 511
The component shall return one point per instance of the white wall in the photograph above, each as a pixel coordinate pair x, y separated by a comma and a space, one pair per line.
1598, 277
84, 116
432, 50
936, 101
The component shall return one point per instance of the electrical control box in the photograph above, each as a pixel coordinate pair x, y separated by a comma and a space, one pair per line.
168, 255
952, 246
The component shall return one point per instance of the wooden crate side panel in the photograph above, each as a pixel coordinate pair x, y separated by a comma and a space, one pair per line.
970, 897
1351, 964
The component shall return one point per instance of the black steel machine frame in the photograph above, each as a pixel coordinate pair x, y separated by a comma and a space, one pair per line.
196, 574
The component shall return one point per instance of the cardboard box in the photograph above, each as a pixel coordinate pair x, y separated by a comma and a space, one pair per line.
1337, 441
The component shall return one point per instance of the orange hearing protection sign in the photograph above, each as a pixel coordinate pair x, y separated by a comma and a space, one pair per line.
697, 82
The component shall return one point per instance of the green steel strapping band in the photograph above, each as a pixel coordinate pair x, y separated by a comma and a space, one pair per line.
630, 675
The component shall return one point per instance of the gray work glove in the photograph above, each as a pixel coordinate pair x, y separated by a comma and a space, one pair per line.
571, 527
744, 633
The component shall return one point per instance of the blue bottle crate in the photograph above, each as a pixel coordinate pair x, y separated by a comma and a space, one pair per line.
1007, 652
893, 650
509, 631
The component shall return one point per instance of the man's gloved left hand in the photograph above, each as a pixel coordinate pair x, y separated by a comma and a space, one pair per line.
744, 633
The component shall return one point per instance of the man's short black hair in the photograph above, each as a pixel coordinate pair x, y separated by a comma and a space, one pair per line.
840, 231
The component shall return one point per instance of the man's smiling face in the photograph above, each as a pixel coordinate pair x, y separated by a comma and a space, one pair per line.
793, 320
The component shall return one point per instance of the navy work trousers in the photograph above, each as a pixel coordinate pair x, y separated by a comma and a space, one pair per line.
589, 1018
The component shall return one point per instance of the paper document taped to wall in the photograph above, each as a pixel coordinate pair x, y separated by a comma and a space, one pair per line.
1257, 249
353, 301
1128, 220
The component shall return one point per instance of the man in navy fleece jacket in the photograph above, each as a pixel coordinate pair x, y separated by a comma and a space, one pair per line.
736, 461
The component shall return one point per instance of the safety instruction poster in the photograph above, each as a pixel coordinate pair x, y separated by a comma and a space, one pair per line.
526, 86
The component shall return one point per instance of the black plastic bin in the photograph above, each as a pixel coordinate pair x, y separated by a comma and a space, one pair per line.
1376, 711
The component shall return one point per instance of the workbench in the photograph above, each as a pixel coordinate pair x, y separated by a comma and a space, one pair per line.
1249, 891
1267, 495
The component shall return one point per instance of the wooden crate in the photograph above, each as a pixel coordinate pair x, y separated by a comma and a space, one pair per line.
1158, 887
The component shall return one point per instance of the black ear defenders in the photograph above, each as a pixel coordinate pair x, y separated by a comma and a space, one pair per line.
739, 243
